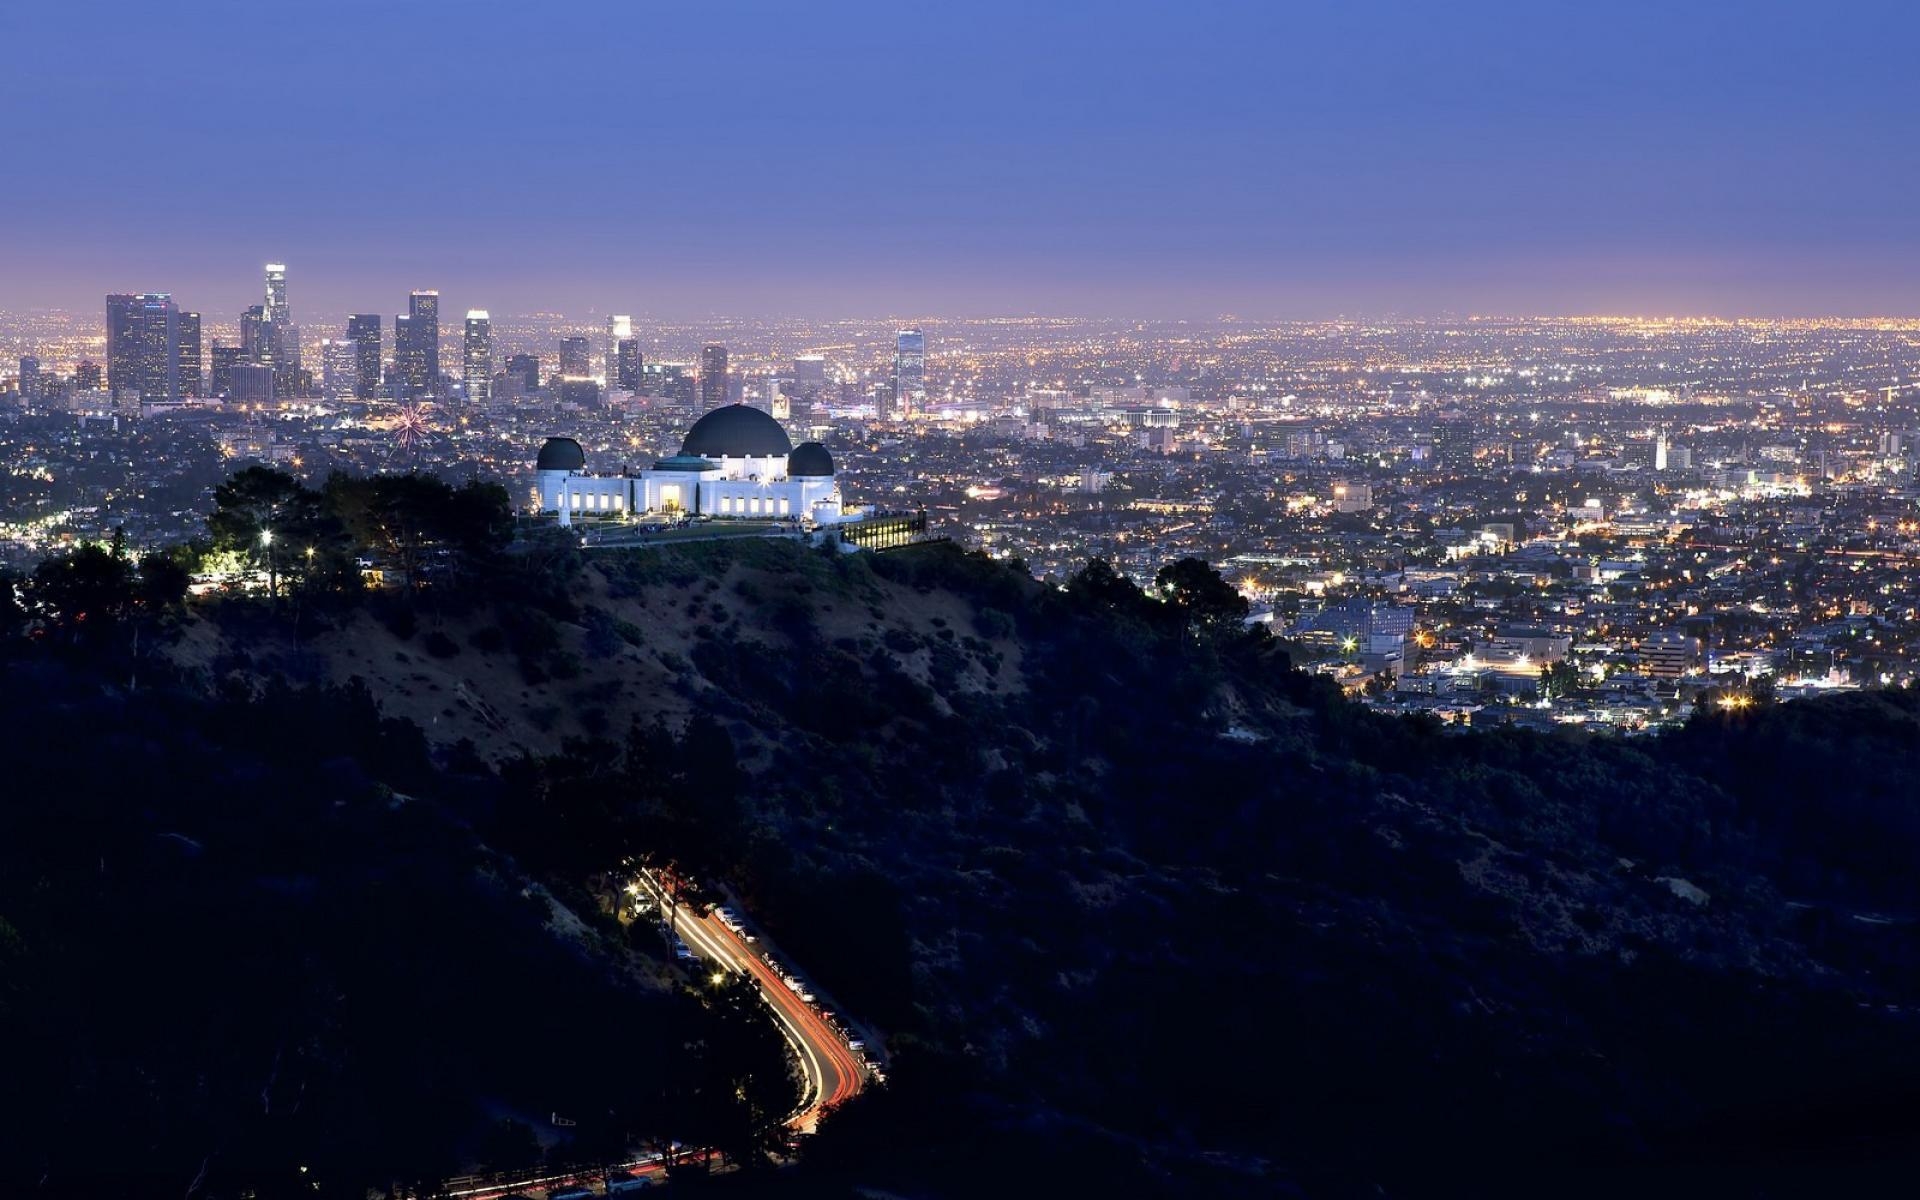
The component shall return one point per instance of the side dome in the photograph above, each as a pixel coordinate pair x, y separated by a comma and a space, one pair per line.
736, 431
561, 454
810, 459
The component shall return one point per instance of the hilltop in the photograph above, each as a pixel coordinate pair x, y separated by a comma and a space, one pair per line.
1143, 908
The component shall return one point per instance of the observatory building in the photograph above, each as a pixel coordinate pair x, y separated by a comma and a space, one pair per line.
736, 461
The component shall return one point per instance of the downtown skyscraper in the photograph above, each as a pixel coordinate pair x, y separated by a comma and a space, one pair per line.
416, 344
622, 355
476, 357
909, 374
713, 376
363, 330
279, 336
144, 351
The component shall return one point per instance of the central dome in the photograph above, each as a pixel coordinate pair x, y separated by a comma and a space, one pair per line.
736, 431
561, 454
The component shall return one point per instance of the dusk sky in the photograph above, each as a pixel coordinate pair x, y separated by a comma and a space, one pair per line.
1116, 158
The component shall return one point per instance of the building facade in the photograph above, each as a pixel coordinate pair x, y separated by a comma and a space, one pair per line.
736, 461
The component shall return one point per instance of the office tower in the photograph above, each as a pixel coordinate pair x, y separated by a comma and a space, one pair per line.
29, 378
713, 376
281, 335
187, 351
156, 340
623, 355
527, 368
276, 303
256, 336
86, 376
810, 371
363, 330
340, 369
222, 356
909, 374
1453, 444
574, 358
250, 382
476, 360
416, 344
630, 364
123, 348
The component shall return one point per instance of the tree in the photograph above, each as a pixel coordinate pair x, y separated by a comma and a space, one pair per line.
271, 518
85, 588
160, 582
1208, 601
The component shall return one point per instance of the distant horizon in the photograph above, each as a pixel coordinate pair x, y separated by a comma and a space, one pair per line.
1281, 161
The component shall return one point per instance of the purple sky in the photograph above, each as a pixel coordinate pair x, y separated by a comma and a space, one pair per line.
1113, 158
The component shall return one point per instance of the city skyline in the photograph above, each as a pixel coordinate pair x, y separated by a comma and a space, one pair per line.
1268, 161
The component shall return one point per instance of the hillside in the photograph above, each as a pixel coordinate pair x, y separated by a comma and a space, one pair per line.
1146, 911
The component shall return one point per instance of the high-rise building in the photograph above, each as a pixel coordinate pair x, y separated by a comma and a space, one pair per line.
250, 383
416, 344
476, 358
340, 369
1453, 444
631, 365
86, 376
623, 355
187, 351
909, 374
276, 303
363, 330
575, 358
222, 358
29, 378
156, 347
281, 335
256, 335
526, 367
123, 344
713, 376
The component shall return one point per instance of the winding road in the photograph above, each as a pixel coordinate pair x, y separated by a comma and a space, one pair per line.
830, 1071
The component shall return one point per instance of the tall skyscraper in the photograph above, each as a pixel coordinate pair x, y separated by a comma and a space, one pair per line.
416, 344
157, 343
340, 369
363, 330
29, 378
622, 350
575, 358
627, 356
123, 348
282, 341
277, 311
222, 358
527, 368
86, 376
187, 353
713, 376
476, 359
909, 374
256, 335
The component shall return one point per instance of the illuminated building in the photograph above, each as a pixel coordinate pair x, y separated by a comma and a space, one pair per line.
713, 376
736, 461
909, 374
476, 359
363, 330
575, 361
416, 344
340, 368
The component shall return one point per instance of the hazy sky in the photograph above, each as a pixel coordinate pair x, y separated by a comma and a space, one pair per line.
825, 156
